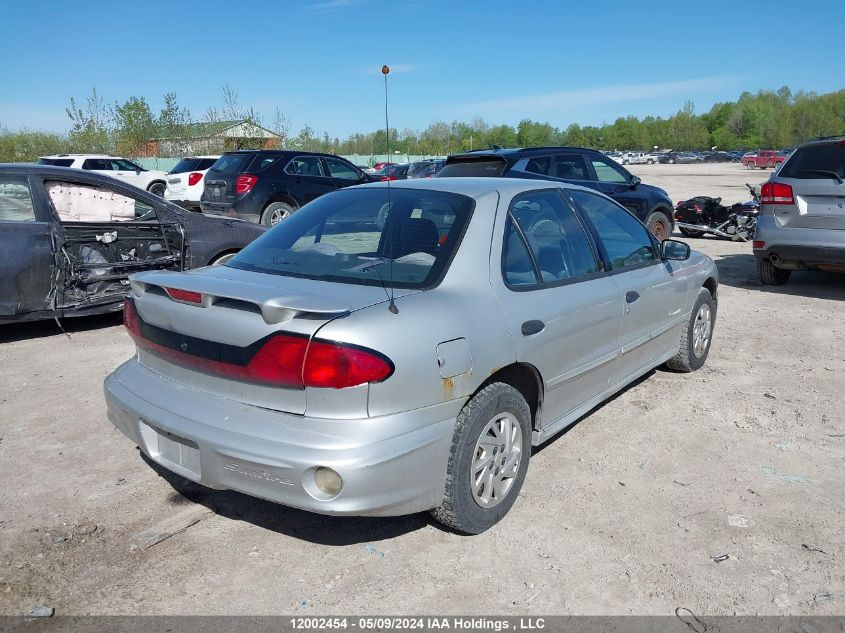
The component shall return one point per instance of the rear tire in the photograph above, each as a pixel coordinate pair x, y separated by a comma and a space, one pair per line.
771, 275
491, 446
275, 212
158, 189
690, 232
221, 259
749, 165
697, 335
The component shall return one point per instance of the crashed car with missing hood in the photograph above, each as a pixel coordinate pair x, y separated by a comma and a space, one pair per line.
69, 240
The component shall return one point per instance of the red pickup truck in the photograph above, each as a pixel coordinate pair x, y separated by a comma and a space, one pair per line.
764, 158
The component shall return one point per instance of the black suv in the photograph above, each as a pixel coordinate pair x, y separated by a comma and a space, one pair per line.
576, 165
266, 186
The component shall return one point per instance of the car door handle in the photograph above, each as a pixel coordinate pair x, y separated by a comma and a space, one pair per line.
631, 296
532, 327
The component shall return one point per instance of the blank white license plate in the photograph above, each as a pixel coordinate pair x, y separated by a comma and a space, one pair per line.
177, 450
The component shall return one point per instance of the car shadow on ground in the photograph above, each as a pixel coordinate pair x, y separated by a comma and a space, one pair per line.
11, 332
556, 438
318, 528
740, 271
308, 526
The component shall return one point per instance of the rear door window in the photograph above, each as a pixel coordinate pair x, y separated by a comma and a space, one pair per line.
815, 163
305, 166
97, 164
570, 167
15, 200
550, 230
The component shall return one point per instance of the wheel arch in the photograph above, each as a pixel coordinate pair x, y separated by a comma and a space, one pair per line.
712, 286
526, 380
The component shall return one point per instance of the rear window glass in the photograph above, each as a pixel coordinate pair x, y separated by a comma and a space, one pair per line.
230, 163
465, 168
404, 238
185, 165
811, 163
57, 162
260, 163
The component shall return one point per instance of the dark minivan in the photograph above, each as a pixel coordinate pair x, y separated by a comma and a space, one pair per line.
577, 165
266, 186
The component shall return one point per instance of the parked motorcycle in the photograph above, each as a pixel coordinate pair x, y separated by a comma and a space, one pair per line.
703, 214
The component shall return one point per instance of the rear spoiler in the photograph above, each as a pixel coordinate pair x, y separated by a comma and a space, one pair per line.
275, 306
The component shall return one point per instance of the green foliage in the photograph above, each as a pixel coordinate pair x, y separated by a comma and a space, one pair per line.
767, 119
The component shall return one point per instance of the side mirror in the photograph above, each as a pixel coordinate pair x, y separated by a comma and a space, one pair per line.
137, 172
675, 249
635, 180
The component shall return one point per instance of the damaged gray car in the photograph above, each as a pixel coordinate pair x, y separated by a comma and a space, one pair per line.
70, 239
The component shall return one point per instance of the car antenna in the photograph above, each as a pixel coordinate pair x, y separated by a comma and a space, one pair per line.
385, 70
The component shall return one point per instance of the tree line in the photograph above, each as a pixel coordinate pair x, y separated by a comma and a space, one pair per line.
767, 119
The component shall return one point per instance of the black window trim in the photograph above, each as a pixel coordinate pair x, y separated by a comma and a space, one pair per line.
540, 284
605, 257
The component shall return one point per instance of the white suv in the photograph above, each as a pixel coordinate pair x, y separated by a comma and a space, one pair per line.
186, 181
114, 166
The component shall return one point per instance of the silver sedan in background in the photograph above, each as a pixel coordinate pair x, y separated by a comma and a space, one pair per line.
409, 360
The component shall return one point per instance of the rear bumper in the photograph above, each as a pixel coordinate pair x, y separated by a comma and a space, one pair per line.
273, 455
799, 248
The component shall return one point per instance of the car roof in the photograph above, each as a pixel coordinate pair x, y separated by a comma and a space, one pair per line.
99, 178
474, 187
81, 156
505, 151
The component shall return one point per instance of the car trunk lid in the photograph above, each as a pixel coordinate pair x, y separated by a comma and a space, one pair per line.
231, 313
818, 204
222, 177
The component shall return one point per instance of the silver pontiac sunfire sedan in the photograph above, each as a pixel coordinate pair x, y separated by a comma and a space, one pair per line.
399, 347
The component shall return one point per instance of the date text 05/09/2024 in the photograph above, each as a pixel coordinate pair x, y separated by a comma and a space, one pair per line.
456, 623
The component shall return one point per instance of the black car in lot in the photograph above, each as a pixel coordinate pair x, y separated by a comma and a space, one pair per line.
577, 165
679, 158
69, 239
266, 186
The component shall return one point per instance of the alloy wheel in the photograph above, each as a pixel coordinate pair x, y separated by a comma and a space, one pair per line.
496, 460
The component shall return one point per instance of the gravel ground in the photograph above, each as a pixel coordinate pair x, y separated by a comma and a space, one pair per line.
622, 514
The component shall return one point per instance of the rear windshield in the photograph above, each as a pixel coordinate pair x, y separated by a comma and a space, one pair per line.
185, 165
58, 162
811, 163
230, 163
401, 238
473, 167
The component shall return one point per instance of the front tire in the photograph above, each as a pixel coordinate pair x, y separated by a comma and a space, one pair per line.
659, 224
275, 212
749, 165
221, 259
697, 335
771, 275
488, 460
157, 189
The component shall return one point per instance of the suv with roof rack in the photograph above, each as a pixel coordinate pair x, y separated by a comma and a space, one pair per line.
266, 186
576, 165
148, 179
801, 224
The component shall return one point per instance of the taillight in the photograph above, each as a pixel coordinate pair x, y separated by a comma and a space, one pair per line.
385, 178
284, 360
776, 193
245, 182
758, 244
188, 296
337, 366
193, 178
